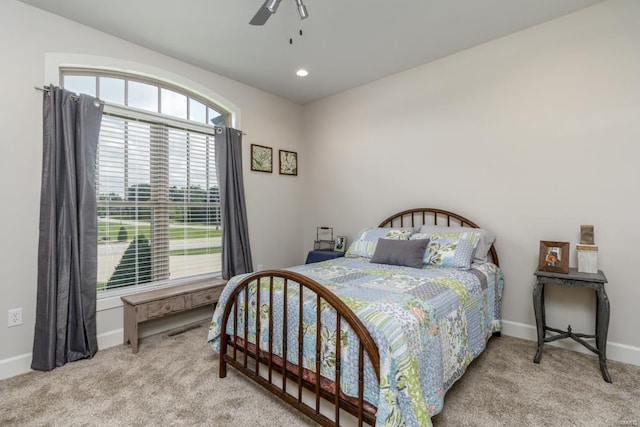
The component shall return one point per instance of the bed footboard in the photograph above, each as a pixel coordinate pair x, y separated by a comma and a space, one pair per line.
275, 373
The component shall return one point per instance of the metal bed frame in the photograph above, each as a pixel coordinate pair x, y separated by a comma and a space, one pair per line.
262, 365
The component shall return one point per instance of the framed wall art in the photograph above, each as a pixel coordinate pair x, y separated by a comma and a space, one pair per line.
554, 256
261, 158
288, 163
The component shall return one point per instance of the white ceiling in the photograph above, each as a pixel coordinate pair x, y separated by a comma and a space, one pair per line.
345, 43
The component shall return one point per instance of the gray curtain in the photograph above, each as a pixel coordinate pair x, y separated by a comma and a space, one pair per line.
236, 252
67, 254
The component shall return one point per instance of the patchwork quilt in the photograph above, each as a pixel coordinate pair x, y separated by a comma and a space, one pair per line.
428, 324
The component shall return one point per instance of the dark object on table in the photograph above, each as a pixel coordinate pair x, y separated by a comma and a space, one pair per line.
322, 255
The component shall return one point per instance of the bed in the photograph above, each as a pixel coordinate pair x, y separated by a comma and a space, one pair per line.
387, 339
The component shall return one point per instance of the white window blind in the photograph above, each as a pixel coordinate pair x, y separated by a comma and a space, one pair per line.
158, 199
158, 203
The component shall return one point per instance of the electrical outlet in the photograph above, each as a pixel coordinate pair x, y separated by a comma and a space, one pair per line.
260, 267
15, 317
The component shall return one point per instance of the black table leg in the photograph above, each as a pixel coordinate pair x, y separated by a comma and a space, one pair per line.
602, 329
538, 308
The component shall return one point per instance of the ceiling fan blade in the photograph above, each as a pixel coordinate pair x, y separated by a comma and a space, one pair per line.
261, 15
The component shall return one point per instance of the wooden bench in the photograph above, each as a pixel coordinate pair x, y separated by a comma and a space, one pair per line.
159, 303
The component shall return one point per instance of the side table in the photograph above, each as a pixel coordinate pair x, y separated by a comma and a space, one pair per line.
322, 255
576, 279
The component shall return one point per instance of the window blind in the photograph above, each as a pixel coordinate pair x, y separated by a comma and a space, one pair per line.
158, 203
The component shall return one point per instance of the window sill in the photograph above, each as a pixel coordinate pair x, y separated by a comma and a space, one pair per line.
108, 303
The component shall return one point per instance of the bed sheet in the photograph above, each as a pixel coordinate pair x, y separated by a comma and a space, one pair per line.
428, 324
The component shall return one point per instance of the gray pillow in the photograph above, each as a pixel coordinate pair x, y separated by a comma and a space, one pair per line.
408, 253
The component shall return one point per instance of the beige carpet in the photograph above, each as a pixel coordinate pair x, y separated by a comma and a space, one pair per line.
173, 381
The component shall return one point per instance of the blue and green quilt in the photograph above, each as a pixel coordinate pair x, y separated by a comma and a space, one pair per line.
428, 324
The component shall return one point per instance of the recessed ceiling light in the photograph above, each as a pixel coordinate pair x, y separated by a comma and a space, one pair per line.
302, 72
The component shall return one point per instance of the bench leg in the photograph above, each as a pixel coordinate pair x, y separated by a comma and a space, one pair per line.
134, 341
130, 327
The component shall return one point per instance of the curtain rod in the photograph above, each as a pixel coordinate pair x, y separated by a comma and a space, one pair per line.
75, 98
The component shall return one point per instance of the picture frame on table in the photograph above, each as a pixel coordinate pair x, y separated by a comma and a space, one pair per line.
341, 244
288, 162
554, 257
261, 158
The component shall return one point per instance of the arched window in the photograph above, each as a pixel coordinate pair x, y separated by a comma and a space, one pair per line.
157, 188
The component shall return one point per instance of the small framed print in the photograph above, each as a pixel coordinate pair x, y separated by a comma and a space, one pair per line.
586, 235
288, 163
341, 244
554, 256
261, 158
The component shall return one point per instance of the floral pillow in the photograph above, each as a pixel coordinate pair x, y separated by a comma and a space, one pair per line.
483, 245
364, 244
472, 236
449, 252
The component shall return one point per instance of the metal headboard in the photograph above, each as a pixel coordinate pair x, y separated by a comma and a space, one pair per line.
431, 216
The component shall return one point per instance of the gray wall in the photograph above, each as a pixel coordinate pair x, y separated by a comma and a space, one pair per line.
530, 135
33, 44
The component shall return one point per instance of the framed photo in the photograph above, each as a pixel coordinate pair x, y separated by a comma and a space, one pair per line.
554, 256
288, 163
341, 244
261, 158
586, 234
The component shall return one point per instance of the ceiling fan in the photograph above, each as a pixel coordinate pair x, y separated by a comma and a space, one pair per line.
269, 8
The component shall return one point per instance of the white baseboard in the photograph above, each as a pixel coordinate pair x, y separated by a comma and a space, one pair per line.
615, 351
110, 339
620, 352
21, 364
15, 365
